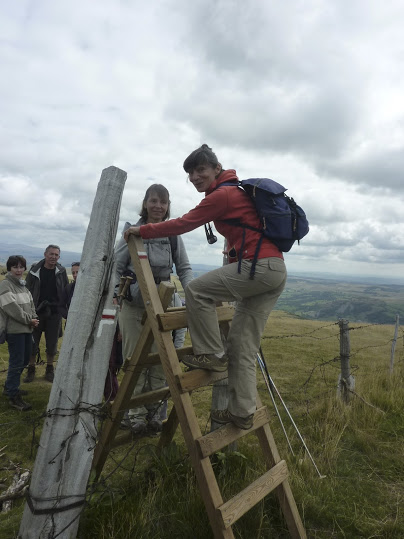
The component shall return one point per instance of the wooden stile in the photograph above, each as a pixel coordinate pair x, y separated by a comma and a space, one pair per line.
159, 323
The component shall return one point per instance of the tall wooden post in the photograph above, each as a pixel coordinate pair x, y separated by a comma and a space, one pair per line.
346, 381
62, 466
393, 344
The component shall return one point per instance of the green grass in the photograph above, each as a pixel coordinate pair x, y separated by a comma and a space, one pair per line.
359, 448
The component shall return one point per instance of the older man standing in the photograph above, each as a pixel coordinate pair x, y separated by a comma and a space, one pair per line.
47, 281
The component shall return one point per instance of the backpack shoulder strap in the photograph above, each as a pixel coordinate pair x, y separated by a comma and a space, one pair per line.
174, 245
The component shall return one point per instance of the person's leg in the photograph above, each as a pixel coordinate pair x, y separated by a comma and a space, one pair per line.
244, 338
52, 330
16, 348
157, 380
130, 324
15, 343
36, 335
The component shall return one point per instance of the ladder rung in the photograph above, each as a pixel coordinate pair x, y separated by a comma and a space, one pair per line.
178, 319
232, 510
151, 396
188, 381
223, 436
121, 439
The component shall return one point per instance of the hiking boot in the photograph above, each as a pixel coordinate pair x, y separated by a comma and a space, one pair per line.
209, 362
30, 374
19, 404
20, 392
49, 373
224, 416
156, 425
138, 426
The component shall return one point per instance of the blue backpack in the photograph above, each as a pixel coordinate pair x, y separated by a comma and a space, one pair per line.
283, 221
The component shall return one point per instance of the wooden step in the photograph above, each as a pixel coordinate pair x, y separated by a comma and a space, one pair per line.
235, 508
227, 434
190, 380
150, 397
171, 320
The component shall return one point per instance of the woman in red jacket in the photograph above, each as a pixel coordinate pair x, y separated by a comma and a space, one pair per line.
255, 297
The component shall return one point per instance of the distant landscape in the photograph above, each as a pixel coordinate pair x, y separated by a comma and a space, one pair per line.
314, 297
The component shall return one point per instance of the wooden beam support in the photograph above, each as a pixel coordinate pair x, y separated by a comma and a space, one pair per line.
225, 435
168, 321
235, 508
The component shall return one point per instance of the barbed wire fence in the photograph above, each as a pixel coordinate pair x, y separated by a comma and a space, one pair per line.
126, 461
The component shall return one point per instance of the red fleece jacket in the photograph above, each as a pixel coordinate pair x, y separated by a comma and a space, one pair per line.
228, 202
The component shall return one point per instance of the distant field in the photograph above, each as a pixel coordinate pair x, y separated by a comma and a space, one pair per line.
323, 299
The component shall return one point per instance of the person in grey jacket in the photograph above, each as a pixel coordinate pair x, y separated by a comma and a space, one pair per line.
47, 281
162, 254
18, 316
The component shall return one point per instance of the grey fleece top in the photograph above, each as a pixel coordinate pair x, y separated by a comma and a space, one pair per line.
16, 305
160, 258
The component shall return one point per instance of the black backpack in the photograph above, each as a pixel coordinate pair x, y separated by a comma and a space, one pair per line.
283, 221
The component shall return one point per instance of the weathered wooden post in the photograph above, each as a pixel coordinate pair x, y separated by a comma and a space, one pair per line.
393, 344
346, 381
62, 467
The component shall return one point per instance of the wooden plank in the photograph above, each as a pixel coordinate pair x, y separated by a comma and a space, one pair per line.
169, 321
154, 359
150, 397
121, 439
226, 434
283, 491
235, 508
190, 380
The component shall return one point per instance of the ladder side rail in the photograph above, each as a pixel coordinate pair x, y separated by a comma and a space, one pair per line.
189, 424
283, 491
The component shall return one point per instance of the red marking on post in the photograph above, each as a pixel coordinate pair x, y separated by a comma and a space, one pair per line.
108, 316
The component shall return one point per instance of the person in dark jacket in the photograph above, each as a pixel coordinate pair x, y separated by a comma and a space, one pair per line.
47, 281
69, 290
255, 298
18, 314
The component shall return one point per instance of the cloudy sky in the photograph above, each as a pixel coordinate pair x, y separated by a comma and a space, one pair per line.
308, 93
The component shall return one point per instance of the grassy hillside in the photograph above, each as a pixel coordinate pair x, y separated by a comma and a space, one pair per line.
324, 299
359, 448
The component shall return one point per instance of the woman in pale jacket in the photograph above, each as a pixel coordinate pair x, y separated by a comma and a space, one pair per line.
18, 318
163, 253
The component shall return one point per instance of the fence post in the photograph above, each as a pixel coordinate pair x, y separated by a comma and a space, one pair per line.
346, 381
57, 493
393, 344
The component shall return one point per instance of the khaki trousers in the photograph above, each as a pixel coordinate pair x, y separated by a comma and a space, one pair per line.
151, 378
255, 299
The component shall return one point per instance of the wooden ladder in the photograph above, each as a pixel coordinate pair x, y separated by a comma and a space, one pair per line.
159, 324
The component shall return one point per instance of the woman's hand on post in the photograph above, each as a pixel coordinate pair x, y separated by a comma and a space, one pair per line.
135, 230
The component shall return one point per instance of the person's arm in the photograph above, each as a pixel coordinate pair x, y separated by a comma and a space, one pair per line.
211, 208
122, 257
182, 265
8, 302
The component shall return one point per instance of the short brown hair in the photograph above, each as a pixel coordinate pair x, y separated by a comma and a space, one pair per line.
14, 260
